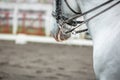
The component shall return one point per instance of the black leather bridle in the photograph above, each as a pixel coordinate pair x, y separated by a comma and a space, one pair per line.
62, 20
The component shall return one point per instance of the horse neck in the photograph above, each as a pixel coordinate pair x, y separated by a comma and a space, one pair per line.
104, 25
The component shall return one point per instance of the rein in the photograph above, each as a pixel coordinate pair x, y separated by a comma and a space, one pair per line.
62, 20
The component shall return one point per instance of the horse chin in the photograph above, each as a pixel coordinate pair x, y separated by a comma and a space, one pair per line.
59, 35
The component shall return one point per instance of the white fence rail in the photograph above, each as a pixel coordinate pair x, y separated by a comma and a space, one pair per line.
34, 7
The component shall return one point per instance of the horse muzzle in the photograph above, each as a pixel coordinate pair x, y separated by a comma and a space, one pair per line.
59, 33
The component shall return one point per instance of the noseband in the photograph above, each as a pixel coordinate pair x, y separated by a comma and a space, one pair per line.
63, 20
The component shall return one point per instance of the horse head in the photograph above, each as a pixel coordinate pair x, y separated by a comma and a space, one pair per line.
61, 12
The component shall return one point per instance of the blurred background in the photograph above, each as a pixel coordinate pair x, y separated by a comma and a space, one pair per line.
28, 52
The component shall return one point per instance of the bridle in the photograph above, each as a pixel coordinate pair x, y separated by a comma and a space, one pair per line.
63, 20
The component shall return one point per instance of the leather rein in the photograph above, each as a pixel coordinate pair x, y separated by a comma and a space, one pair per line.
62, 20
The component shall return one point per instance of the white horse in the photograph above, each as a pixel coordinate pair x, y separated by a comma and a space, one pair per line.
105, 32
